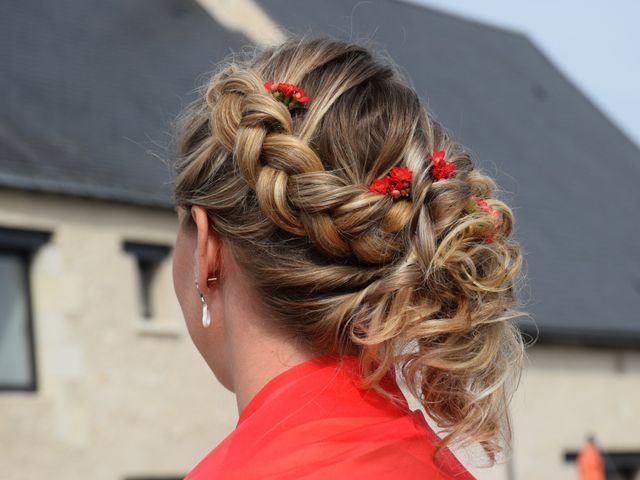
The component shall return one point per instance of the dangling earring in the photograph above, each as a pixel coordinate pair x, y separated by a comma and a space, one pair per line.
206, 318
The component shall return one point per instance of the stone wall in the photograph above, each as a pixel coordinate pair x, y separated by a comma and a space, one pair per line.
117, 396
121, 397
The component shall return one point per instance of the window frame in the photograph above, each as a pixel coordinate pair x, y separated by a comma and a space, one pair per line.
150, 255
24, 243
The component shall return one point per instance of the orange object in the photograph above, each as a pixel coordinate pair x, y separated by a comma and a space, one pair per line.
591, 463
314, 422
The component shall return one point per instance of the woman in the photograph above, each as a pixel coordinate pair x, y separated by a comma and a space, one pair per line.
331, 232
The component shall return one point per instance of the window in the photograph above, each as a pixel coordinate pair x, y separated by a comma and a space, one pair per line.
618, 465
148, 258
17, 356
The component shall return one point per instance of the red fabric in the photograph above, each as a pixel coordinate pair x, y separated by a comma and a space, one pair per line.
312, 421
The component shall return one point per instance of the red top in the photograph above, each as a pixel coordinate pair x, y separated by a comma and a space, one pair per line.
313, 421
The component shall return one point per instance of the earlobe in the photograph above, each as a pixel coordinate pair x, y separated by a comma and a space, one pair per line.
206, 252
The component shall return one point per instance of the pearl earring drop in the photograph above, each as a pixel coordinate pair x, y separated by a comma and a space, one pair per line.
206, 317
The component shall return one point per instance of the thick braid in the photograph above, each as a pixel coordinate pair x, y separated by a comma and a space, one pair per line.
292, 186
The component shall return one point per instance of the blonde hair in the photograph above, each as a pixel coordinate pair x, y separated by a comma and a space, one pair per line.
410, 283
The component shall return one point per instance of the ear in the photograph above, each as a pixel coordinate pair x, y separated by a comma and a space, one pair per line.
207, 253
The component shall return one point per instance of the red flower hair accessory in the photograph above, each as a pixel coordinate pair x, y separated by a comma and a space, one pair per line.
290, 95
397, 183
441, 169
477, 205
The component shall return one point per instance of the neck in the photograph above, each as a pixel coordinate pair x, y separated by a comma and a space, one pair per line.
258, 361
247, 351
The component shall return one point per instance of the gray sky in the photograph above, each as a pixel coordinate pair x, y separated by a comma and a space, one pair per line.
596, 44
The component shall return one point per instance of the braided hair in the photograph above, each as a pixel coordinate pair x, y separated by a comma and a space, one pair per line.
407, 282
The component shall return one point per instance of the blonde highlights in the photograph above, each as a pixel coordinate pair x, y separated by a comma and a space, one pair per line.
408, 282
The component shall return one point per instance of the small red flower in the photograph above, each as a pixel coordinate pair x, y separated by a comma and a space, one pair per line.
480, 205
290, 95
441, 169
380, 185
397, 183
437, 155
401, 174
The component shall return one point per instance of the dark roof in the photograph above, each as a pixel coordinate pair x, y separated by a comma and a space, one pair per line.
90, 89
570, 175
